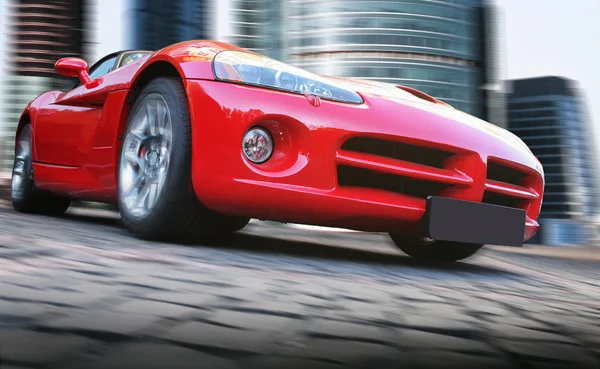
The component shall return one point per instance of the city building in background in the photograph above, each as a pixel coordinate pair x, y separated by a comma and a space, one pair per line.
150, 24
159, 23
4, 29
549, 115
260, 26
447, 49
38, 33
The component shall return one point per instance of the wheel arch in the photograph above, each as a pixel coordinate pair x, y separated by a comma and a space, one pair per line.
155, 69
28, 116
23, 121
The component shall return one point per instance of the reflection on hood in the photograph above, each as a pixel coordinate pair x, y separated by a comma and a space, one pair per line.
391, 92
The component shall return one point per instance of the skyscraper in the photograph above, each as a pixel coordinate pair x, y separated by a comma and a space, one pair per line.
548, 114
149, 24
159, 23
40, 31
5, 146
260, 25
447, 49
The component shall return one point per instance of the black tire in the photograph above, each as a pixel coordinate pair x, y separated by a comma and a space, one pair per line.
435, 251
25, 197
178, 215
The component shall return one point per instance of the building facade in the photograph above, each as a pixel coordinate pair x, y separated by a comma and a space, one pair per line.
446, 48
260, 26
150, 24
549, 115
4, 130
159, 23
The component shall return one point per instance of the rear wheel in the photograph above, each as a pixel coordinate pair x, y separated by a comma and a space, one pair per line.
431, 250
25, 197
156, 196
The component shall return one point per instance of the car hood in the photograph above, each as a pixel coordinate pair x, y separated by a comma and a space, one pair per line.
381, 90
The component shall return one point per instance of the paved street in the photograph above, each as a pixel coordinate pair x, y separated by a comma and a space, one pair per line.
79, 292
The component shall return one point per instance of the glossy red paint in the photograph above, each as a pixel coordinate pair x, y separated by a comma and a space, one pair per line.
73, 67
305, 188
419, 94
306, 180
76, 144
423, 95
314, 100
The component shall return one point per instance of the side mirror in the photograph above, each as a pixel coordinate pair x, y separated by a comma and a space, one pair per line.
73, 67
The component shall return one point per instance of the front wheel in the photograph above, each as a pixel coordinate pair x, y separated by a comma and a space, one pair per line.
437, 251
156, 196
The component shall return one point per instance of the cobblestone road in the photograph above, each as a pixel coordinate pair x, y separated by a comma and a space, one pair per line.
79, 292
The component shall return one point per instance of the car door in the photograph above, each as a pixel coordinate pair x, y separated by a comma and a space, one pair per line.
65, 128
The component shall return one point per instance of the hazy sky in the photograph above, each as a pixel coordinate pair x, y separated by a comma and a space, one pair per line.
555, 37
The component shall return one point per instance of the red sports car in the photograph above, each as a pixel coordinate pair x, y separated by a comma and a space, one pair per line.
193, 140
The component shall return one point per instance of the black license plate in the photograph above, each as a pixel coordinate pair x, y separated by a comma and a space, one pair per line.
473, 222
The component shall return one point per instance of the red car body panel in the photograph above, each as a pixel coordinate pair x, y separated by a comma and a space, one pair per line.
299, 184
312, 176
75, 133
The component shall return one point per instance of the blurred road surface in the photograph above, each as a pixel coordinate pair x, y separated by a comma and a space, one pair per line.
79, 292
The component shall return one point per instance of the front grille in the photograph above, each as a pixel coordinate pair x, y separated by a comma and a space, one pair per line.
420, 172
359, 177
398, 150
503, 200
503, 180
395, 167
505, 174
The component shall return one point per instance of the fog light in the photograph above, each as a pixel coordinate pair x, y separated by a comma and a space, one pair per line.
257, 145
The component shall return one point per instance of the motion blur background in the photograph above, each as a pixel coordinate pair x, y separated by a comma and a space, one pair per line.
519, 64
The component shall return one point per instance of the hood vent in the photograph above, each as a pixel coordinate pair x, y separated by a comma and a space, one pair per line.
423, 96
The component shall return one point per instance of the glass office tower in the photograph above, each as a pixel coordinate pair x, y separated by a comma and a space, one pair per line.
159, 23
445, 48
260, 25
548, 114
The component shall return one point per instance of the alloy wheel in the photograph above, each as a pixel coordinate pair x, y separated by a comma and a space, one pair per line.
146, 156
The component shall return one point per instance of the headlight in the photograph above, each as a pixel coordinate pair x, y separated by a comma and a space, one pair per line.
256, 70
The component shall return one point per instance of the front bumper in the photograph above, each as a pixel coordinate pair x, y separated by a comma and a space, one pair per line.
368, 167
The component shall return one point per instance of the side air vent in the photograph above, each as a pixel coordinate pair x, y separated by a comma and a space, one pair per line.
398, 150
505, 174
359, 177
